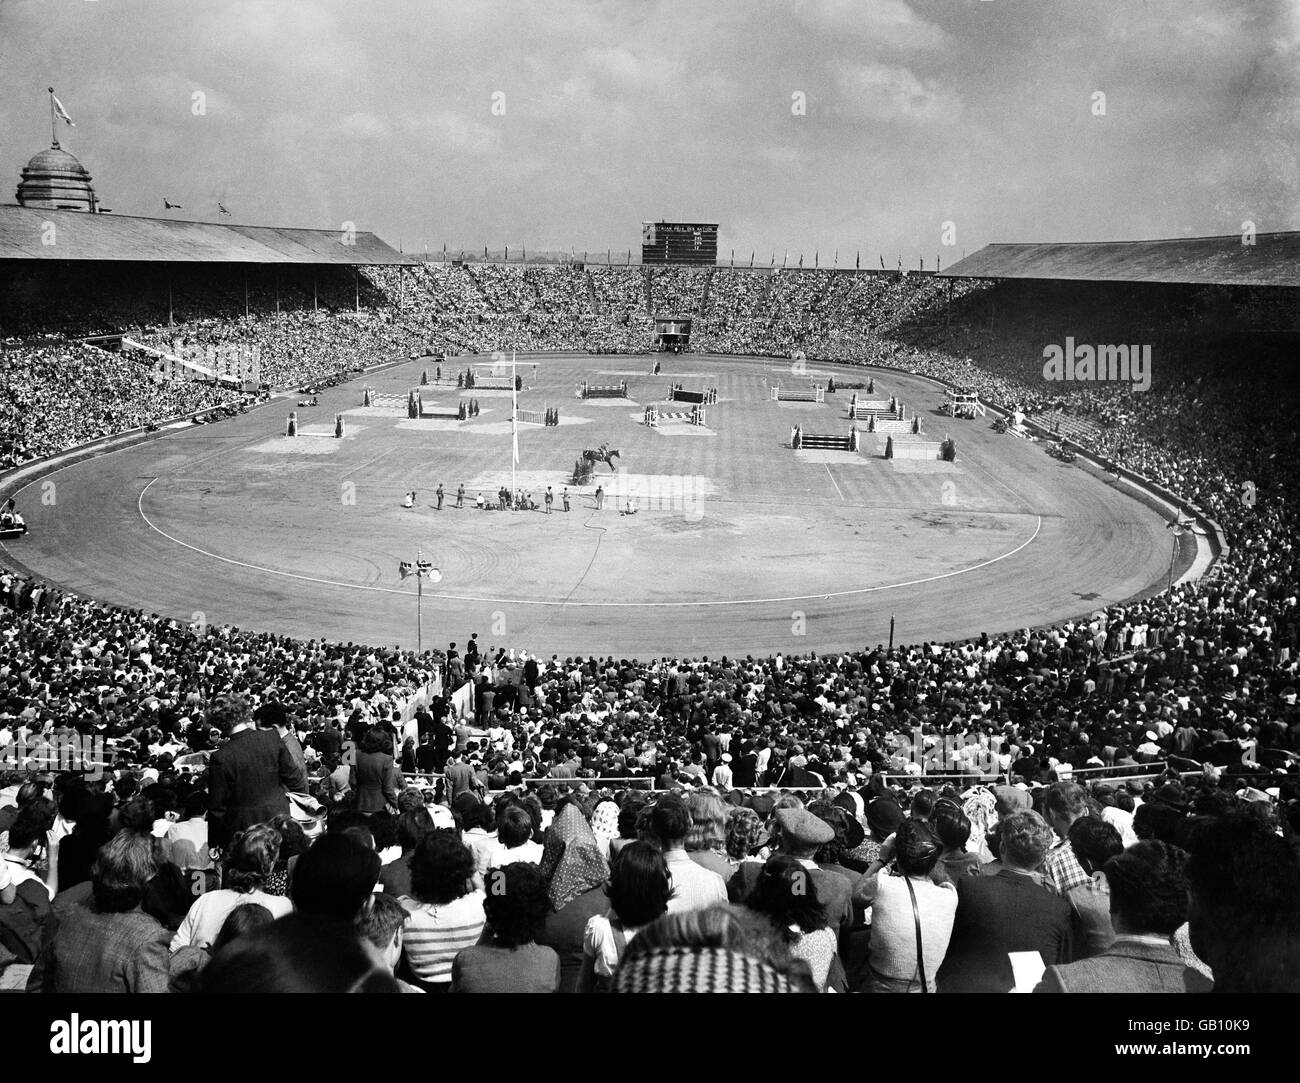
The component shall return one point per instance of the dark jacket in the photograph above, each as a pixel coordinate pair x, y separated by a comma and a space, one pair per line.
247, 781
1127, 966
744, 771
22, 923
375, 780
997, 915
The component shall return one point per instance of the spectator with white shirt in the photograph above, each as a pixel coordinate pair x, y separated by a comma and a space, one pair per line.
515, 839
187, 839
694, 886
251, 858
639, 891
27, 847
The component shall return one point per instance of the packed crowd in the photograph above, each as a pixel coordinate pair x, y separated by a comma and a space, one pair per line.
54, 397
234, 879
390, 757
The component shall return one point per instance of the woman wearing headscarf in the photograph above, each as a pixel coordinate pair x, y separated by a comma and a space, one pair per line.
604, 825
577, 872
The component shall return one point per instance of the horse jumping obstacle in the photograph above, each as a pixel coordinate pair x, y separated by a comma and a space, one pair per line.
903, 448
814, 394
549, 416
371, 397
604, 391
653, 416
799, 440
964, 403
900, 426
707, 397
882, 409
291, 428
416, 408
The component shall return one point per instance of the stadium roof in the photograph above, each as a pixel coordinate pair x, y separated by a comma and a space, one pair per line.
1273, 260
82, 236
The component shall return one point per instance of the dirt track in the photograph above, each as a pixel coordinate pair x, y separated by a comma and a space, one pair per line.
740, 544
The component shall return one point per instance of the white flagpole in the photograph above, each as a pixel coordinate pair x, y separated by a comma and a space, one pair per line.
514, 423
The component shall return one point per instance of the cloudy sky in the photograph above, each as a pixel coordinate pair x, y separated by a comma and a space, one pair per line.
796, 124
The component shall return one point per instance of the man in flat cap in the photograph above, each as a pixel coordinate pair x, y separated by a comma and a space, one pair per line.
799, 834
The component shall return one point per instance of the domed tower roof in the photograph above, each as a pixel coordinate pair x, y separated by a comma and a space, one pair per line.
56, 180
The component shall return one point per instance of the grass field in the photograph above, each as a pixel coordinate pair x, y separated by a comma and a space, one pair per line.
740, 544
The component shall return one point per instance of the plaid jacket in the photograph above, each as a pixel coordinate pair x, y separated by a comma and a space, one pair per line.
85, 951
1062, 869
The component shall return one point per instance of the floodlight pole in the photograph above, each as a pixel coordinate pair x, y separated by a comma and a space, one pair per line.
514, 424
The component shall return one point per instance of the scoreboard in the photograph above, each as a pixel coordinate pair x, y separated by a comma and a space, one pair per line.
679, 242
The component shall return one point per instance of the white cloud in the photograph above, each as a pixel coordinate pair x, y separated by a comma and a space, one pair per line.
886, 92
890, 23
450, 132
364, 126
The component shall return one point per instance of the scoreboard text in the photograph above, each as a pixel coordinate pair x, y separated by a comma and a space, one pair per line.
679, 242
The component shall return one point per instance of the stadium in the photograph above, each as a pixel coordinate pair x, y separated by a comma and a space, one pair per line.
554, 572
1019, 538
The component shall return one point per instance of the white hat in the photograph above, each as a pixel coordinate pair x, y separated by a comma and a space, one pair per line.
726, 757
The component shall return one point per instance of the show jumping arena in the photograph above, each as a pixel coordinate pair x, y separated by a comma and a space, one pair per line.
740, 544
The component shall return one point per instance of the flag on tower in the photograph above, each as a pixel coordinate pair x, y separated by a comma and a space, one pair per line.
59, 111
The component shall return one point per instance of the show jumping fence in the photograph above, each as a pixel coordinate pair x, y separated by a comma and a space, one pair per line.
815, 394
604, 391
821, 441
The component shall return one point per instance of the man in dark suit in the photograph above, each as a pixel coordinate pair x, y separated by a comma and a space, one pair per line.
1148, 901
248, 776
273, 716
328, 742
1009, 912
744, 772
443, 742
460, 778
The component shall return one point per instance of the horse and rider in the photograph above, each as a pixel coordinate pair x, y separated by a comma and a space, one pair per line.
603, 454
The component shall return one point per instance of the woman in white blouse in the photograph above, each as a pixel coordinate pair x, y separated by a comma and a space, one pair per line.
639, 889
252, 858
